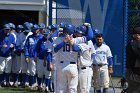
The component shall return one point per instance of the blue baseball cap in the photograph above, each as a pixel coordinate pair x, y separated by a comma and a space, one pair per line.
35, 26
47, 31
20, 27
54, 26
42, 25
6, 26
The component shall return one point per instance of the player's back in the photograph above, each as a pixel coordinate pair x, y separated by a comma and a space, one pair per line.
85, 55
65, 53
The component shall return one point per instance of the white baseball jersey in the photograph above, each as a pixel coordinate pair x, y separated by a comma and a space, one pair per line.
66, 53
85, 55
102, 53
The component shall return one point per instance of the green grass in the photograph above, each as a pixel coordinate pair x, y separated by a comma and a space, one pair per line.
17, 90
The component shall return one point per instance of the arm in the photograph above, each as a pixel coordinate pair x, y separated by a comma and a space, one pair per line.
49, 61
55, 34
38, 46
49, 57
76, 48
89, 34
59, 46
110, 61
26, 48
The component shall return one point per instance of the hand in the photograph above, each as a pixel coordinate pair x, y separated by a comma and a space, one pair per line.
87, 24
71, 43
27, 60
4, 45
67, 38
11, 45
51, 66
110, 70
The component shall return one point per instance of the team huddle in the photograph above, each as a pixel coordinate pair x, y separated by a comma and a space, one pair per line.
58, 58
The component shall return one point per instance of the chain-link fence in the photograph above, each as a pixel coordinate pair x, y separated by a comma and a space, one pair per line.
133, 16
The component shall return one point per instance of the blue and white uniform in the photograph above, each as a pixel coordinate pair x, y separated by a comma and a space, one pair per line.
103, 58
66, 58
84, 65
6, 55
31, 53
44, 50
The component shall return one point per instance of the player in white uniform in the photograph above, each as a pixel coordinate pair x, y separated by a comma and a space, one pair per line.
55, 36
102, 65
54, 33
84, 61
68, 73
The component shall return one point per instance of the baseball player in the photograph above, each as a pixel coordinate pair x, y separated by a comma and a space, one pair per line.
24, 65
102, 65
67, 66
14, 33
28, 26
55, 56
31, 54
44, 50
7, 43
85, 50
68, 73
42, 27
54, 33
16, 66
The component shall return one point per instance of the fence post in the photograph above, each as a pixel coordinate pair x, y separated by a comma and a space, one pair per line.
125, 33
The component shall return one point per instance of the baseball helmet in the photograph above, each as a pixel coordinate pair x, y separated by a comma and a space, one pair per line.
30, 25
42, 25
47, 31
49, 27
96, 31
69, 29
81, 29
54, 26
20, 27
12, 26
62, 25
26, 25
6, 26
35, 26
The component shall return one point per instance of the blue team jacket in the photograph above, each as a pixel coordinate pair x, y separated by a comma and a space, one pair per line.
30, 46
43, 51
6, 39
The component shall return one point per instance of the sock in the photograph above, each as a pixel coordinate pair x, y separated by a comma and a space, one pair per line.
1, 78
7, 77
105, 90
39, 80
98, 91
